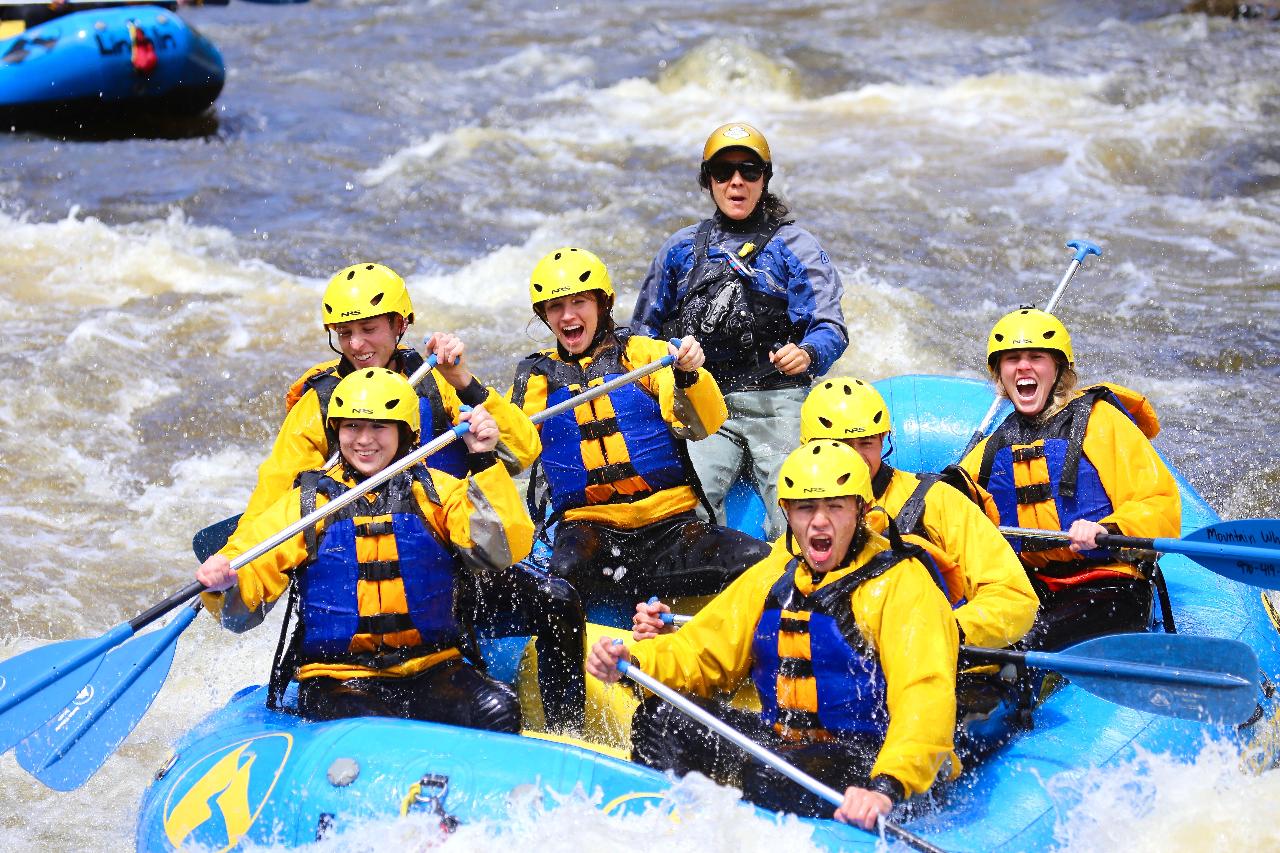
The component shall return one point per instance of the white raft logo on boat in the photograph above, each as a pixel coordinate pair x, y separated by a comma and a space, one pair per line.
234, 781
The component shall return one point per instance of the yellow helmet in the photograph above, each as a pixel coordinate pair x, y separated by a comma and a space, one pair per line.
567, 271
737, 135
1028, 328
376, 394
824, 469
365, 290
843, 408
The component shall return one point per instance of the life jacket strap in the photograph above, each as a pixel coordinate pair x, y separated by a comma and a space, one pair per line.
592, 430
1028, 452
795, 668
1075, 443
385, 623
374, 528
611, 473
307, 482
389, 656
1034, 493
379, 570
910, 518
793, 718
792, 625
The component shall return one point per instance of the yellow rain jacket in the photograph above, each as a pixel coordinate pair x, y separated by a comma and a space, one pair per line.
617, 460
1142, 495
482, 519
303, 445
1000, 605
904, 619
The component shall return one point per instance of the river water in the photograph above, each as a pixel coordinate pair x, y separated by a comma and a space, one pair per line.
160, 294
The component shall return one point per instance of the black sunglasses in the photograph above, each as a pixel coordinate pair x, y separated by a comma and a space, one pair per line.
722, 170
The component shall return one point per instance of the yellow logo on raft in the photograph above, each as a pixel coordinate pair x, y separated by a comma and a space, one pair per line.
237, 780
638, 802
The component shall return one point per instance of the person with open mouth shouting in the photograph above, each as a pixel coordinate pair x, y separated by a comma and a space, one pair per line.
850, 643
944, 513
1079, 461
621, 489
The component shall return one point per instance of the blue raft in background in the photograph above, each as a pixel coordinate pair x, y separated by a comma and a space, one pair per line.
247, 774
97, 64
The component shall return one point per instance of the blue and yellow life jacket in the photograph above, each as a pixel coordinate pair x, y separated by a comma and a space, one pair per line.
1039, 476
410, 613
435, 418
738, 312
614, 449
816, 675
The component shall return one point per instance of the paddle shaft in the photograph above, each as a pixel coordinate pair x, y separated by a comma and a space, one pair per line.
1083, 250
760, 753
1164, 546
1076, 261
444, 439
1100, 667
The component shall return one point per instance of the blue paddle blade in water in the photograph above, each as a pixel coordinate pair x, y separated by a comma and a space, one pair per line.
37, 684
1209, 679
210, 540
1248, 564
70, 747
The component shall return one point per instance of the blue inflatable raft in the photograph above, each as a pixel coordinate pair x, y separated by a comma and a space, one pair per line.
247, 774
117, 63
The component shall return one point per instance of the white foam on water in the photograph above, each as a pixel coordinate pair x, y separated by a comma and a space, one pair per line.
44, 262
552, 67
702, 816
202, 490
888, 345
1158, 803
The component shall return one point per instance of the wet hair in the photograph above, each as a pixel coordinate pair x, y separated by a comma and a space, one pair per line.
406, 441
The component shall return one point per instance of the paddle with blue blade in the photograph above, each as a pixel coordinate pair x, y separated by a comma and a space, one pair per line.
210, 539
758, 752
70, 747
1208, 679
36, 685
39, 684
1247, 551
